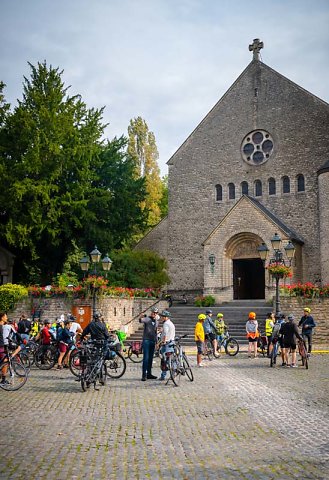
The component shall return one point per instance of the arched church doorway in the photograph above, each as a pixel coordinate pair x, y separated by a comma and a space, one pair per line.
248, 279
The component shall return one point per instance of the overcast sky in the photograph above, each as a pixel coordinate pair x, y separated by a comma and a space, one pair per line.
168, 61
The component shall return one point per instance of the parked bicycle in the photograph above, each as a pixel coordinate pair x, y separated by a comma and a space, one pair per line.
93, 366
262, 345
177, 362
230, 344
275, 352
13, 372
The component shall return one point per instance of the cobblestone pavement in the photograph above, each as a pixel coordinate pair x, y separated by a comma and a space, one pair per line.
239, 419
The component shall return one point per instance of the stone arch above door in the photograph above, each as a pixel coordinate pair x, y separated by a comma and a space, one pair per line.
243, 245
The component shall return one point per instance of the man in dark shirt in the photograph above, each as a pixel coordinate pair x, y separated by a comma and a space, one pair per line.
96, 329
307, 323
149, 342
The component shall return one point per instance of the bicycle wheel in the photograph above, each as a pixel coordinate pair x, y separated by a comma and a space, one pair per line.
232, 347
209, 350
84, 379
134, 356
303, 354
16, 376
174, 370
116, 367
74, 363
45, 360
103, 374
187, 368
24, 358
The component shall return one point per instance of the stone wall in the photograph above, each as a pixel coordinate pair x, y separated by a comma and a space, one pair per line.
319, 311
119, 313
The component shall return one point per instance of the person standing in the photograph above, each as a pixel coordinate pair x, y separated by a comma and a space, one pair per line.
221, 328
252, 334
269, 325
199, 337
210, 331
148, 345
289, 332
167, 336
307, 323
24, 327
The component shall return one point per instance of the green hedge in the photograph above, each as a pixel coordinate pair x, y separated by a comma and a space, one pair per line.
10, 294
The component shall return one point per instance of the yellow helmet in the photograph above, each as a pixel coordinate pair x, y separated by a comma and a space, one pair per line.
252, 315
202, 316
220, 315
308, 310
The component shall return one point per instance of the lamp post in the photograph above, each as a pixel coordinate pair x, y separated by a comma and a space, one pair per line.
95, 257
278, 260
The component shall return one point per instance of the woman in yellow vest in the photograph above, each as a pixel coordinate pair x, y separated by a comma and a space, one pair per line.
269, 324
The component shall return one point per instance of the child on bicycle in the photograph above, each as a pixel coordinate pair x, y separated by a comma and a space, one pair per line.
199, 338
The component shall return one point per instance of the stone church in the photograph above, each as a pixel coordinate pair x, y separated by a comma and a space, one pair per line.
256, 165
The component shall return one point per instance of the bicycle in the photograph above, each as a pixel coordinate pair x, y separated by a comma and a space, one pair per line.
303, 353
230, 344
262, 344
93, 366
275, 352
208, 349
177, 362
17, 372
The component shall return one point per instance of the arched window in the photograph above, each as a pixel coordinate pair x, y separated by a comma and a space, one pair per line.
219, 193
285, 184
258, 188
271, 186
300, 183
244, 188
231, 191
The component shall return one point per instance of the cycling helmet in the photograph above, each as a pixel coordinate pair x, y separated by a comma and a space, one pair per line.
46, 322
71, 317
154, 310
208, 311
165, 313
291, 317
202, 316
252, 315
97, 316
220, 315
308, 310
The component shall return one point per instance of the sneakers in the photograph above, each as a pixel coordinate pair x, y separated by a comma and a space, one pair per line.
143, 379
151, 377
4, 381
293, 365
161, 378
283, 364
200, 365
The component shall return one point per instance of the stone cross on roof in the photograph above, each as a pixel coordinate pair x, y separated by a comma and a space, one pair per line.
255, 47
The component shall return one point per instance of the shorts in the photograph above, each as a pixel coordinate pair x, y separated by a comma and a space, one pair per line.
63, 347
287, 344
211, 336
199, 346
252, 340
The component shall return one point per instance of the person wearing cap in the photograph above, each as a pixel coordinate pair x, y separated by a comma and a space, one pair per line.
252, 334
149, 341
167, 335
199, 338
289, 332
276, 334
96, 329
269, 325
210, 330
307, 323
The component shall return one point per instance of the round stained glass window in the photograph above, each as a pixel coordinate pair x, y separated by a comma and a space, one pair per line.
257, 147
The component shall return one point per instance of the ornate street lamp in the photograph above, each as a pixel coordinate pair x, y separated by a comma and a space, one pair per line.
276, 262
95, 257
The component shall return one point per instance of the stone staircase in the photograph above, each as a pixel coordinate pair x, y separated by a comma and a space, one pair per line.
235, 316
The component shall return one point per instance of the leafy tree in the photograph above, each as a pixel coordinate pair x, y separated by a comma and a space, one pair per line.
142, 148
62, 185
138, 269
163, 204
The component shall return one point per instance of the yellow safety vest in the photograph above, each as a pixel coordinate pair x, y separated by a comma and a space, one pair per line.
268, 327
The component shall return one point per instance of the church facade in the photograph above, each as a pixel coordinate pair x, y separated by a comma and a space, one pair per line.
256, 165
